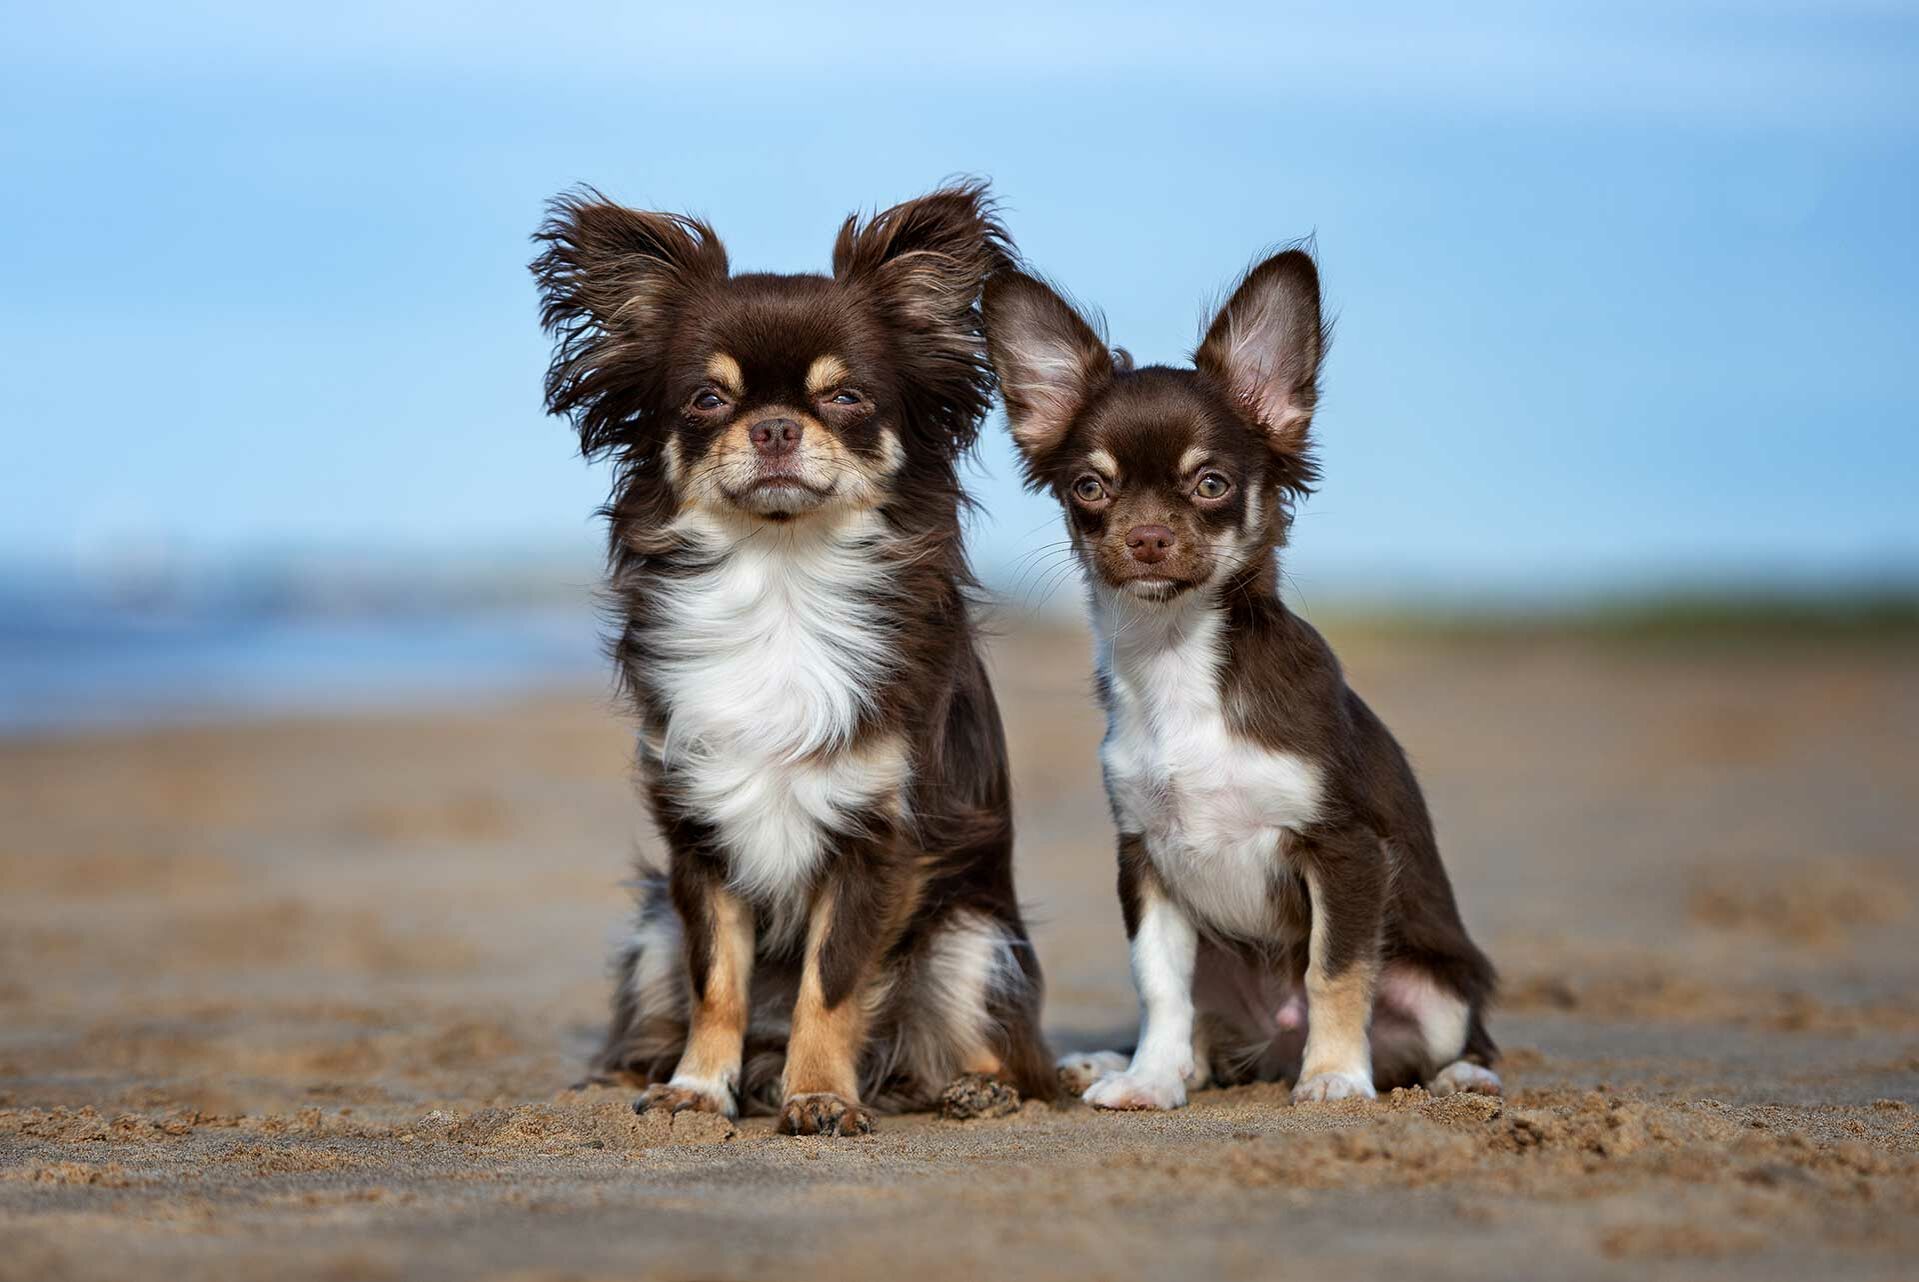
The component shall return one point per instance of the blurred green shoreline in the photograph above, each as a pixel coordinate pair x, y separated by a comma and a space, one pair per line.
1648, 617
78, 654
1858, 607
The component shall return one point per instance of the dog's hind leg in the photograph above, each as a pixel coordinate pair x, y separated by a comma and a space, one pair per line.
968, 1027
1424, 1032
1081, 1069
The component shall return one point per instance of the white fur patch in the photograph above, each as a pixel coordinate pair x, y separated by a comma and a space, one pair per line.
1442, 1018
1460, 1077
1165, 949
1215, 809
769, 660
1325, 1087
721, 1088
1082, 1068
970, 960
1136, 1091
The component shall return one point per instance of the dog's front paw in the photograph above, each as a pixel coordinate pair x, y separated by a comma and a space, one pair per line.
1081, 1070
823, 1113
1132, 1091
683, 1097
1460, 1077
1332, 1086
974, 1095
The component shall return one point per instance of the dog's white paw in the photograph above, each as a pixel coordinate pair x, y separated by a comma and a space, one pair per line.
1081, 1070
1460, 1077
1131, 1091
687, 1095
1332, 1086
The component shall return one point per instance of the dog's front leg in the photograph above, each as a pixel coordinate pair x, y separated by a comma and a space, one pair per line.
821, 1088
1164, 947
718, 928
857, 915
1346, 880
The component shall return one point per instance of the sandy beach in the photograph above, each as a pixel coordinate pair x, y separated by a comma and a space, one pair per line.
303, 998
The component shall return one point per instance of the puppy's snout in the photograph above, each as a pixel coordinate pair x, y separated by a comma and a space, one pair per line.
1149, 544
773, 437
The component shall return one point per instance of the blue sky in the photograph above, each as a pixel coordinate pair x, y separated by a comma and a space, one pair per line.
1626, 293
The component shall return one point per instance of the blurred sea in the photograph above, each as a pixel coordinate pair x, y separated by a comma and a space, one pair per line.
76, 660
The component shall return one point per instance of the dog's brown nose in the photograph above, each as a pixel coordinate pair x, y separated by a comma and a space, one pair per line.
1149, 544
775, 436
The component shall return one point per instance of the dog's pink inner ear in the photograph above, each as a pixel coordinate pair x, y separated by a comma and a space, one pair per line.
1049, 360
1266, 346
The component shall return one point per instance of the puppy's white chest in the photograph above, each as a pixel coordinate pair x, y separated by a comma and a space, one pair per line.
768, 661
1214, 809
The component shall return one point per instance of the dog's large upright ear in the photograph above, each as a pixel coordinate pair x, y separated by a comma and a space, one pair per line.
1049, 358
612, 281
923, 263
1266, 346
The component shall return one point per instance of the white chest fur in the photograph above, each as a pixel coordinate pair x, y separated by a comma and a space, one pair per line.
767, 661
1215, 810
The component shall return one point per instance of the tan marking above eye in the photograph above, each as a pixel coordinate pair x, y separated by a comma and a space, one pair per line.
1103, 462
1192, 460
725, 373
825, 374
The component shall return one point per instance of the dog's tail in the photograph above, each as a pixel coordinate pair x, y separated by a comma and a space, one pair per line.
648, 1029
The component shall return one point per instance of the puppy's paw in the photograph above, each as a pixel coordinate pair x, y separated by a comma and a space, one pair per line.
1131, 1091
1461, 1077
823, 1113
682, 1096
974, 1095
1079, 1071
1332, 1086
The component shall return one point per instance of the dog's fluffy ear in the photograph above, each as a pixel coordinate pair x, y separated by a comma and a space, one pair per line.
1050, 360
926, 258
1266, 345
923, 263
612, 281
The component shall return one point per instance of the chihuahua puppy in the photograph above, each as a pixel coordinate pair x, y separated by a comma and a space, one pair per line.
836, 929
1278, 876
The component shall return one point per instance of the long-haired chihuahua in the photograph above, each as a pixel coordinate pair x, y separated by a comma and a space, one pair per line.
836, 929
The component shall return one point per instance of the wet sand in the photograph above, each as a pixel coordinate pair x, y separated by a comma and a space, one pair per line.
301, 999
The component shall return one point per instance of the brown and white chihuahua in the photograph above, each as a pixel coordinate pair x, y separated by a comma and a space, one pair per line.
837, 929
1280, 883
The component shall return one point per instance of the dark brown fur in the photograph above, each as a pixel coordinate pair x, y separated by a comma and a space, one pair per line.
641, 306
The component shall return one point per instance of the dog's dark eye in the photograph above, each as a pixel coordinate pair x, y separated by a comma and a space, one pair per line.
1213, 486
1089, 489
846, 396
708, 400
